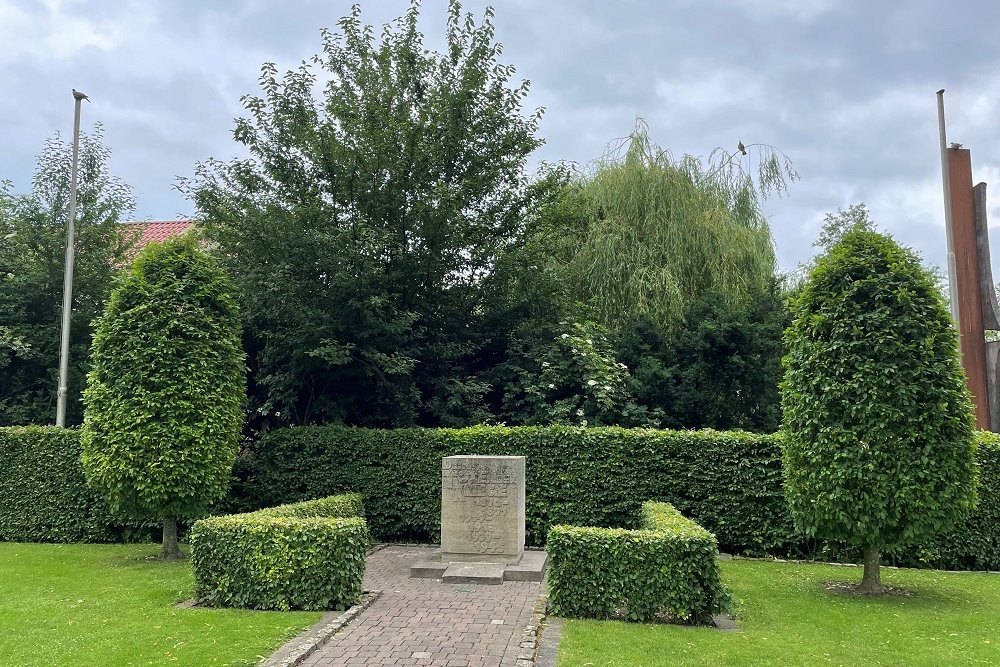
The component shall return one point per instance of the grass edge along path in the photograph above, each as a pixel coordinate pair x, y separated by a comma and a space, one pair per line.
111, 605
788, 617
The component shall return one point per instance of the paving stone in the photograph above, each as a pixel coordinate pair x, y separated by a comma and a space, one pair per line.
430, 618
725, 622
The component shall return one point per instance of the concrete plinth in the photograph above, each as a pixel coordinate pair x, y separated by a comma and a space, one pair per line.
531, 567
473, 573
482, 509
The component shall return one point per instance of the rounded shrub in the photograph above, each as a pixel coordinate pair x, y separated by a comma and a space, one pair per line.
879, 446
164, 401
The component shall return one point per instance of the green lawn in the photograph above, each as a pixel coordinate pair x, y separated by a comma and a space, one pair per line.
788, 618
109, 605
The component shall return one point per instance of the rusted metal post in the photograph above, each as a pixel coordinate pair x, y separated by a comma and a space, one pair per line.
967, 281
988, 297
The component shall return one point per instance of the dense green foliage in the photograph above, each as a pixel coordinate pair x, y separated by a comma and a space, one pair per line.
91, 605
308, 555
670, 567
974, 543
720, 368
44, 495
396, 267
729, 482
164, 401
32, 255
879, 447
338, 507
365, 228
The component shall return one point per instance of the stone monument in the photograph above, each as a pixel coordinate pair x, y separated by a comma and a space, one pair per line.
482, 508
482, 524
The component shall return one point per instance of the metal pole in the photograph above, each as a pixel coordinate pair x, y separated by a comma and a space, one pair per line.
945, 180
67, 307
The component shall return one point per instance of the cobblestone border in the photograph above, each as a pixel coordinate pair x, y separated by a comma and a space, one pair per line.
530, 636
548, 642
298, 649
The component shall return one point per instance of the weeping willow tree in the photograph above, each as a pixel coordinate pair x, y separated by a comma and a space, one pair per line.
653, 233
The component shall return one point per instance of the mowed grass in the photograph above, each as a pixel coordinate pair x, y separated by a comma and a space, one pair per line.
787, 617
110, 605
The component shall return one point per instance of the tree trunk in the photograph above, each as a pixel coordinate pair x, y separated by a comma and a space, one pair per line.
170, 549
871, 582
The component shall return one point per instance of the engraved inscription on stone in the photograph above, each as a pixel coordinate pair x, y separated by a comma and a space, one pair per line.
482, 508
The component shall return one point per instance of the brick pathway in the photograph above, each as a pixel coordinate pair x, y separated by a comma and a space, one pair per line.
425, 622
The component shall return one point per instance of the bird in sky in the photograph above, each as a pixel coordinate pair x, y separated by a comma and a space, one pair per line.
743, 149
77, 95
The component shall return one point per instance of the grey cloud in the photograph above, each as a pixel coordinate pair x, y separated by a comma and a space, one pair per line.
846, 89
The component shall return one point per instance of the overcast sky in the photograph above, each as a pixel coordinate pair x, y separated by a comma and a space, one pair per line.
845, 89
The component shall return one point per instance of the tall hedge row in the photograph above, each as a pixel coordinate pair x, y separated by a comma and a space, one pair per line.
729, 482
44, 495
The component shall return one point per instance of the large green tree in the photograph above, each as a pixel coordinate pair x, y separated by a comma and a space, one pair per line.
365, 229
646, 234
32, 252
879, 445
675, 257
165, 398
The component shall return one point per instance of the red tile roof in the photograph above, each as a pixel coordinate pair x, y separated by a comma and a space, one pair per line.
159, 230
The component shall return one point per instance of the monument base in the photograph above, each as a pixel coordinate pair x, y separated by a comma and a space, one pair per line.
506, 559
531, 567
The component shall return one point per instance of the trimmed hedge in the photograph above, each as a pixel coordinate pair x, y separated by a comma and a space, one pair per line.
344, 506
975, 543
308, 555
730, 482
669, 567
44, 495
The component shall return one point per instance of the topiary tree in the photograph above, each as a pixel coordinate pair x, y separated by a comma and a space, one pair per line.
878, 428
165, 398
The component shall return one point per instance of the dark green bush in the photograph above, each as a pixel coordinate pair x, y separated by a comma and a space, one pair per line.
730, 482
719, 368
44, 495
669, 567
308, 555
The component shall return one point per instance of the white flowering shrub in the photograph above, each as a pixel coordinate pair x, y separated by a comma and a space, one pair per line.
579, 381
